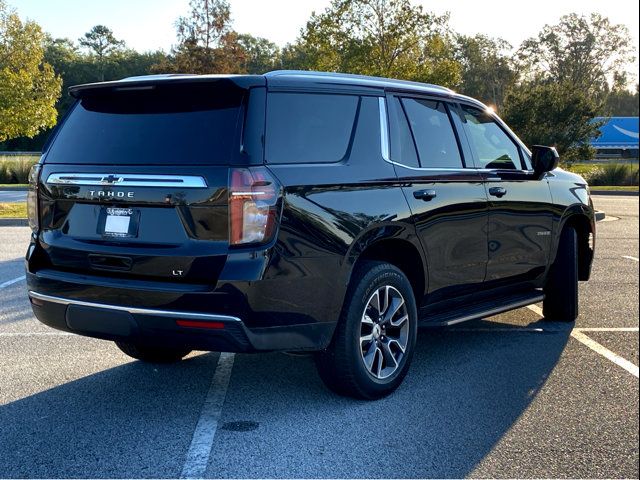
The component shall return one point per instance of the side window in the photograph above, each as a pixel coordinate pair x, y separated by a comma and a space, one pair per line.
491, 144
403, 150
309, 128
433, 133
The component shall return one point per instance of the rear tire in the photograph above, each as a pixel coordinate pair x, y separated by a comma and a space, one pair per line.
374, 340
153, 354
561, 290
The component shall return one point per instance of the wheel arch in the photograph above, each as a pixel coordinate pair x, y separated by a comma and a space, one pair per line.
404, 252
582, 220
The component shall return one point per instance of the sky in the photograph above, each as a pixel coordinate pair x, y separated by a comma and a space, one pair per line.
149, 24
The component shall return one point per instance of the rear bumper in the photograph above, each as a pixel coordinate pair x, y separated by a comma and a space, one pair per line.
197, 331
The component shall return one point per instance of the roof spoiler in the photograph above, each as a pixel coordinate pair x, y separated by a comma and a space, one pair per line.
150, 82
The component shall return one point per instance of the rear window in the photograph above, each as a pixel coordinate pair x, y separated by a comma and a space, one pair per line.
309, 128
168, 125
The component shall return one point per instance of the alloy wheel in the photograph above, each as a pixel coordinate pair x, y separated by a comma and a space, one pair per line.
384, 332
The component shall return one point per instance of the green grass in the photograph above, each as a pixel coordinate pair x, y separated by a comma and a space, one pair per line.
581, 168
615, 188
26, 158
13, 186
13, 210
14, 169
607, 174
585, 167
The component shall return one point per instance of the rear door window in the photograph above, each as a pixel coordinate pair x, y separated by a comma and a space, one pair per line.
309, 128
433, 133
494, 149
195, 124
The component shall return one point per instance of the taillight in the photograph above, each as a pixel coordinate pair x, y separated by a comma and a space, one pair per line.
253, 205
32, 198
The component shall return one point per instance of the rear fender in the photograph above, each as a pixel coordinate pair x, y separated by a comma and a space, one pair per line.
388, 232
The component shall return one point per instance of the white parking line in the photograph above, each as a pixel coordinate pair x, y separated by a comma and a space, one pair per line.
596, 347
606, 353
11, 282
202, 440
630, 258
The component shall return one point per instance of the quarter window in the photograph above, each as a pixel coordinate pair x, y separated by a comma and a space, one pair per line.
493, 147
309, 128
403, 150
433, 133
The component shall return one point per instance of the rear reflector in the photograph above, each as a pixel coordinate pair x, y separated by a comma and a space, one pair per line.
200, 324
36, 302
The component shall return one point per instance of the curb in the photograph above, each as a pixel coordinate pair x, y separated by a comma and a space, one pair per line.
9, 189
621, 193
14, 222
600, 216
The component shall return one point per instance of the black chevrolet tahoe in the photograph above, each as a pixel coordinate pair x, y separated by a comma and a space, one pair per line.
296, 211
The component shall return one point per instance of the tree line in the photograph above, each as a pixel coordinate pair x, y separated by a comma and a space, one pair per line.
548, 89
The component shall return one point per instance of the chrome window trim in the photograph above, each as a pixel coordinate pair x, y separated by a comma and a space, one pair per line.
385, 149
384, 129
126, 180
136, 310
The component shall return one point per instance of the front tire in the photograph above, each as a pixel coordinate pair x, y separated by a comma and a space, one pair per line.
153, 354
561, 290
374, 341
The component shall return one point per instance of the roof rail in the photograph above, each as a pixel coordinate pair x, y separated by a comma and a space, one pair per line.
312, 73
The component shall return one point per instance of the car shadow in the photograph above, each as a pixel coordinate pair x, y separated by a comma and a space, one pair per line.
464, 392
12, 267
134, 420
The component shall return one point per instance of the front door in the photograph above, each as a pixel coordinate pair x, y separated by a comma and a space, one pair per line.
520, 206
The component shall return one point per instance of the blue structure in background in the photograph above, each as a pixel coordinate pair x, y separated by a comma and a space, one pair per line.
619, 138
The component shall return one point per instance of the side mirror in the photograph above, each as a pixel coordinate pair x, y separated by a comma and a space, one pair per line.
544, 160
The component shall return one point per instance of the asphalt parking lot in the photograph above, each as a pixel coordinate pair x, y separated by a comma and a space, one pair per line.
509, 396
13, 196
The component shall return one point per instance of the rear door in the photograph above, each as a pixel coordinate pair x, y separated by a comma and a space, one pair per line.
447, 199
135, 183
521, 207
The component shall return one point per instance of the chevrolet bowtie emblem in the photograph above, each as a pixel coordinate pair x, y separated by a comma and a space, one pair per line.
111, 179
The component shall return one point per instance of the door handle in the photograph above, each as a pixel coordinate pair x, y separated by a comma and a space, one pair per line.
498, 191
426, 195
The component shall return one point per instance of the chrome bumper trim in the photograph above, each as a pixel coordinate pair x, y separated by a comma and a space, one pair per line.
136, 310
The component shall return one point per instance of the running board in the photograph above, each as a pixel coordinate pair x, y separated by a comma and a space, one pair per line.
482, 310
